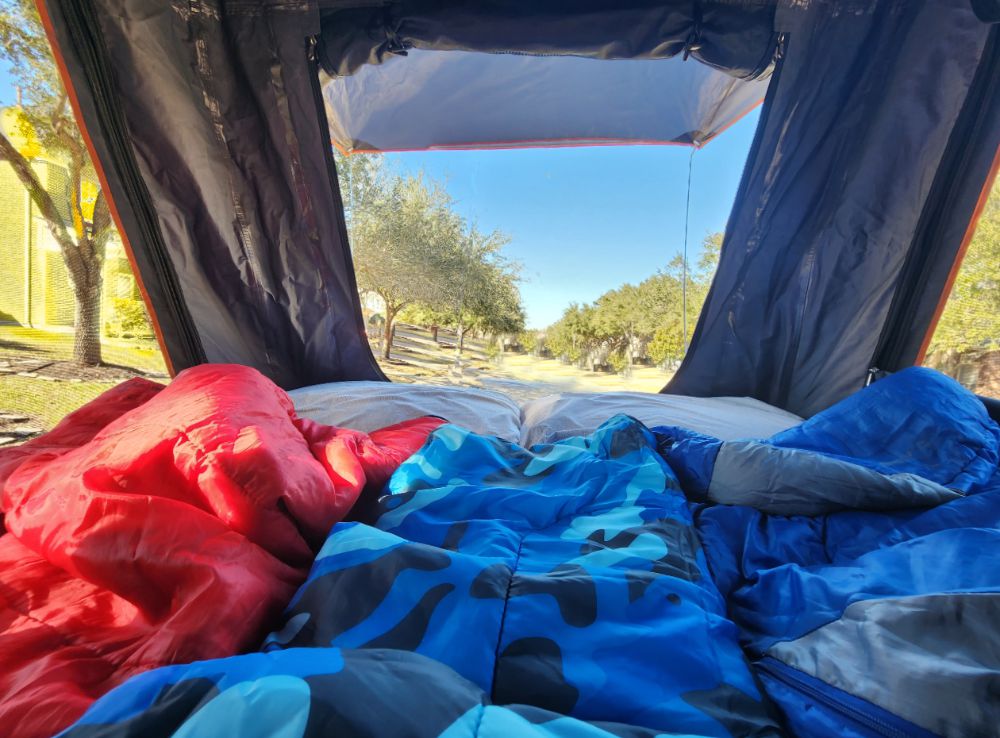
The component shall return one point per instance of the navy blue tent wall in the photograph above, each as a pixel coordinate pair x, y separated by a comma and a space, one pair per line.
207, 122
854, 152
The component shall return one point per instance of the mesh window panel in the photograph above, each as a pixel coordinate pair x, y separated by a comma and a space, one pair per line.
966, 341
43, 342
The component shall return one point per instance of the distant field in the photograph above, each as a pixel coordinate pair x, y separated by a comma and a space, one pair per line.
415, 358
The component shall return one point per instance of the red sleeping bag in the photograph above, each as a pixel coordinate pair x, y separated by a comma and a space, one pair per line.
161, 525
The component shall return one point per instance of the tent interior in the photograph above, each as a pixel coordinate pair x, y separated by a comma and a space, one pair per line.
212, 126
876, 140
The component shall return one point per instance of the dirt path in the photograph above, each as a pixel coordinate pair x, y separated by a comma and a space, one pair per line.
526, 377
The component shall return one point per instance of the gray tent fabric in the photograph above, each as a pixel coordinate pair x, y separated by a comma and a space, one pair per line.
857, 122
736, 36
223, 124
460, 99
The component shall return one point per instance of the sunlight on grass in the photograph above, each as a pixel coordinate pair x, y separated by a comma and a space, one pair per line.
44, 401
16, 340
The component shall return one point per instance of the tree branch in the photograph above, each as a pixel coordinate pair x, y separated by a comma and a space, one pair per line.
43, 201
75, 185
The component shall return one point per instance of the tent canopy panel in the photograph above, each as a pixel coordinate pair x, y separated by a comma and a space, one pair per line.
736, 36
460, 99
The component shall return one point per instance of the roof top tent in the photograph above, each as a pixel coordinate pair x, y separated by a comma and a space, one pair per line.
211, 121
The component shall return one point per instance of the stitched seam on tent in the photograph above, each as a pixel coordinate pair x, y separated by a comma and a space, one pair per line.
503, 616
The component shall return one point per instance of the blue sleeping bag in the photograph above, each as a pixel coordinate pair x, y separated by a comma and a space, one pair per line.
866, 583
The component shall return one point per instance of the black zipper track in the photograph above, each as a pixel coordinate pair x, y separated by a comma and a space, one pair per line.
83, 30
889, 354
313, 54
869, 722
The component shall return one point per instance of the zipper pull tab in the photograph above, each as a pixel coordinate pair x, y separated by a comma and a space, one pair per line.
874, 374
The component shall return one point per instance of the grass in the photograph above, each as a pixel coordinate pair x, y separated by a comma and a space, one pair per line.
15, 340
520, 375
46, 402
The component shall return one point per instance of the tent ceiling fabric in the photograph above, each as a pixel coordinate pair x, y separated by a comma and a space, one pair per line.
459, 99
427, 74
733, 35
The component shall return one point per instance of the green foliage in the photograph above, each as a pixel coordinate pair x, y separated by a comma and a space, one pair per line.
45, 107
531, 341
574, 335
132, 318
634, 321
427, 264
483, 289
398, 239
667, 344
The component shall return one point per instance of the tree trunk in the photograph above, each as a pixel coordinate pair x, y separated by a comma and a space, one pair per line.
87, 327
85, 277
390, 331
82, 253
461, 340
434, 333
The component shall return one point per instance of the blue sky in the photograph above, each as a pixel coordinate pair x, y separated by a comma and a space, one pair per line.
7, 94
585, 220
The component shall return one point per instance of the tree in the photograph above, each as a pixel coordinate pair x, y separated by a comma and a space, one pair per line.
481, 286
574, 336
617, 317
46, 116
708, 261
412, 250
400, 241
643, 318
363, 180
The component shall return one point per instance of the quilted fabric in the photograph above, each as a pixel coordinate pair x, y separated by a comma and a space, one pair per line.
568, 577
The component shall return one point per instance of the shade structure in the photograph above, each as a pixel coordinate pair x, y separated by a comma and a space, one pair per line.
461, 99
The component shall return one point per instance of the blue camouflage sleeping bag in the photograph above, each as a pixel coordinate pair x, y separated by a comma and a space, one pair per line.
563, 581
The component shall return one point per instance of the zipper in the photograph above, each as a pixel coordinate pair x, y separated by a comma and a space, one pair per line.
799, 682
184, 346
313, 55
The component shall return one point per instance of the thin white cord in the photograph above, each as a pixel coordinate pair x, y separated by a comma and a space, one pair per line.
684, 279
